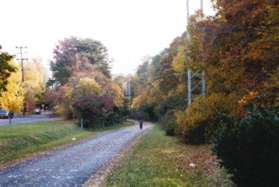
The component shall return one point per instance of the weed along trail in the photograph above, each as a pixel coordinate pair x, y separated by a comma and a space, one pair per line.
70, 166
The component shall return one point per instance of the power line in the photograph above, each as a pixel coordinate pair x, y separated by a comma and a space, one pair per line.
21, 59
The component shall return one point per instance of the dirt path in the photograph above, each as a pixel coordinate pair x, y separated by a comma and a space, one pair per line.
71, 166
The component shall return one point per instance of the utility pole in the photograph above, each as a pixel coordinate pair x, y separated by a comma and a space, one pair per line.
203, 83
189, 72
129, 91
21, 59
188, 10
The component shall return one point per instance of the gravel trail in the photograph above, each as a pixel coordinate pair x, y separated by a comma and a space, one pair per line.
70, 166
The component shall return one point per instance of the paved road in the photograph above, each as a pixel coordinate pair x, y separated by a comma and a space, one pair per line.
28, 119
71, 166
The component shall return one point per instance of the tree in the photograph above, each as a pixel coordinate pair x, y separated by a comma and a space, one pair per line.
86, 87
6, 69
114, 91
34, 84
245, 50
94, 111
73, 53
12, 98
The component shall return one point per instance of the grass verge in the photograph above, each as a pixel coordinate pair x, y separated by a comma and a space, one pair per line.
20, 141
161, 161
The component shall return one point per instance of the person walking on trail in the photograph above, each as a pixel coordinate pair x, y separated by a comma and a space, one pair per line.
140, 124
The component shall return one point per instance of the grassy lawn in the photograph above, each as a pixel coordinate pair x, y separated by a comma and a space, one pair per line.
19, 141
159, 160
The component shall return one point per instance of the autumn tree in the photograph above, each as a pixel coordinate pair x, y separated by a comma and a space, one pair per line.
86, 87
34, 83
72, 53
245, 50
157, 84
82, 87
12, 98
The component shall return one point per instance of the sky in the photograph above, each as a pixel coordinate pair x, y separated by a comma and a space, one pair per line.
130, 29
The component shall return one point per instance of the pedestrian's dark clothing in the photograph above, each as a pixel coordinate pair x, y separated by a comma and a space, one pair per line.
141, 124
11, 115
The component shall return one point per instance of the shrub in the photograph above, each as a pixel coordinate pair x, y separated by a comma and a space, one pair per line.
95, 111
198, 123
117, 116
168, 123
249, 147
168, 104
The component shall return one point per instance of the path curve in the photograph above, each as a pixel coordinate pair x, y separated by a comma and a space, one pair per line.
70, 166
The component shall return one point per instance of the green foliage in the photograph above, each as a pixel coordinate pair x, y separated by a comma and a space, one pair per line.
168, 123
248, 147
169, 104
142, 72
5, 70
145, 112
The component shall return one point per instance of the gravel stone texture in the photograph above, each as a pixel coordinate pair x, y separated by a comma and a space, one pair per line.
69, 166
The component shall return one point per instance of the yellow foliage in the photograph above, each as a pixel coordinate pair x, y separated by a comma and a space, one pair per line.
34, 77
118, 95
87, 86
139, 101
59, 109
179, 64
148, 96
12, 99
203, 109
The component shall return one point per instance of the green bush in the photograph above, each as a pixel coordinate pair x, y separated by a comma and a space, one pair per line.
249, 147
170, 103
168, 123
145, 112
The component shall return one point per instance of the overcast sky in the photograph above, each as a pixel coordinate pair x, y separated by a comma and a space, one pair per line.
130, 29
